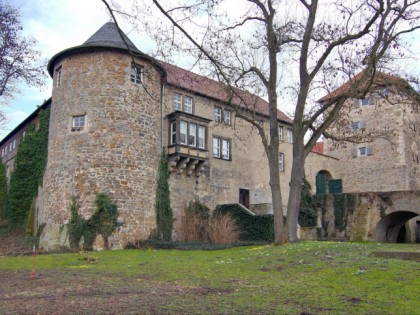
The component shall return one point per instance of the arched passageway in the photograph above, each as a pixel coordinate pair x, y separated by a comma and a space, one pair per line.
392, 228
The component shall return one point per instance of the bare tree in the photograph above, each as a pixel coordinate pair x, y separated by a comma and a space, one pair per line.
296, 49
19, 61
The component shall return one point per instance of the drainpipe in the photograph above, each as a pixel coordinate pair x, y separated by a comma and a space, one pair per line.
162, 102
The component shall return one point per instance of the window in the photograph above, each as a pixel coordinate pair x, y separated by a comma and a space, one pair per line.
183, 103
222, 115
281, 162
136, 74
24, 135
290, 135
364, 101
217, 114
221, 148
201, 137
359, 125
226, 117
183, 132
188, 104
14, 144
2, 152
361, 151
10, 146
192, 135
280, 133
78, 123
58, 73
173, 132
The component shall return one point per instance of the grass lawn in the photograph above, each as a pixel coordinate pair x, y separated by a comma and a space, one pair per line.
302, 278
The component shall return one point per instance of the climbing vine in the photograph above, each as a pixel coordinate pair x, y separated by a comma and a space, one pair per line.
29, 167
104, 222
164, 216
307, 213
340, 203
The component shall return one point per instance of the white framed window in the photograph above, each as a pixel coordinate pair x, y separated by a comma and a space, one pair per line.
173, 132
10, 146
280, 133
361, 151
78, 123
226, 116
289, 135
136, 74
192, 135
183, 125
23, 135
281, 162
364, 101
222, 115
177, 101
14, 144
217, 114
201, 137
221, 148
183, 103
216, 147
188, 104
225, 149
58, 73
2, 152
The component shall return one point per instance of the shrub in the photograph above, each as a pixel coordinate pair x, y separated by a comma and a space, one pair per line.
194, 223
222, 229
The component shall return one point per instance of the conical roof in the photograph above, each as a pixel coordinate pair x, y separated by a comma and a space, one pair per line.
106, 38
109, 36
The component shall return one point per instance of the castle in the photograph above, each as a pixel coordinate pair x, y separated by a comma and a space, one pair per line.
113, 109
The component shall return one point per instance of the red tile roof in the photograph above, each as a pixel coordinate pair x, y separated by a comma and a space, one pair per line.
190, 81
381, 79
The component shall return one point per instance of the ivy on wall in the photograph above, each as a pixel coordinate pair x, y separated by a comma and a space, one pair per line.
164, 216
104, 222
307, 213
29, 167
3, 194
340, 205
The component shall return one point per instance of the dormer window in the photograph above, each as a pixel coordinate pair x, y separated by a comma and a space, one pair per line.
183, 103
136, 74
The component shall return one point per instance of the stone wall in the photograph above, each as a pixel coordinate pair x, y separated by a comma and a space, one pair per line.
221, 180
117, 152
369, 216
391, 164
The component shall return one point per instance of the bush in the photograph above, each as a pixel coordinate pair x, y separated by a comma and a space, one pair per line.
222, 229
194, 223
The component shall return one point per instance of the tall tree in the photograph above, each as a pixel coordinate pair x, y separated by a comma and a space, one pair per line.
19, 61
292, 49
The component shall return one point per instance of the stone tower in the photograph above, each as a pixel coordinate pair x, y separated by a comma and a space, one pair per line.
104, 136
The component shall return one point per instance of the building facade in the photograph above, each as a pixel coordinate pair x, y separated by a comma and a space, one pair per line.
113, 110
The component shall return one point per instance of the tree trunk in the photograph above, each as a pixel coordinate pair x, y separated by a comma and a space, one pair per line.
277, 202
296, 182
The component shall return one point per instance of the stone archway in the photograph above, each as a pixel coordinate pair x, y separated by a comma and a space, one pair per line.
392, 228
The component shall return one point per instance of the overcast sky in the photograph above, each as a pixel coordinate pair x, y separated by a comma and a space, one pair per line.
61, 24
56, 25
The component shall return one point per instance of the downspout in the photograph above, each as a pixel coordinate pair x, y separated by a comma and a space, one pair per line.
162, 102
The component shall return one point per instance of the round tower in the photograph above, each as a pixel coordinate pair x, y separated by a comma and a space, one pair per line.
104, 135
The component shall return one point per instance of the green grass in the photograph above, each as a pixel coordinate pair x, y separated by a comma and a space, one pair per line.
311, 277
